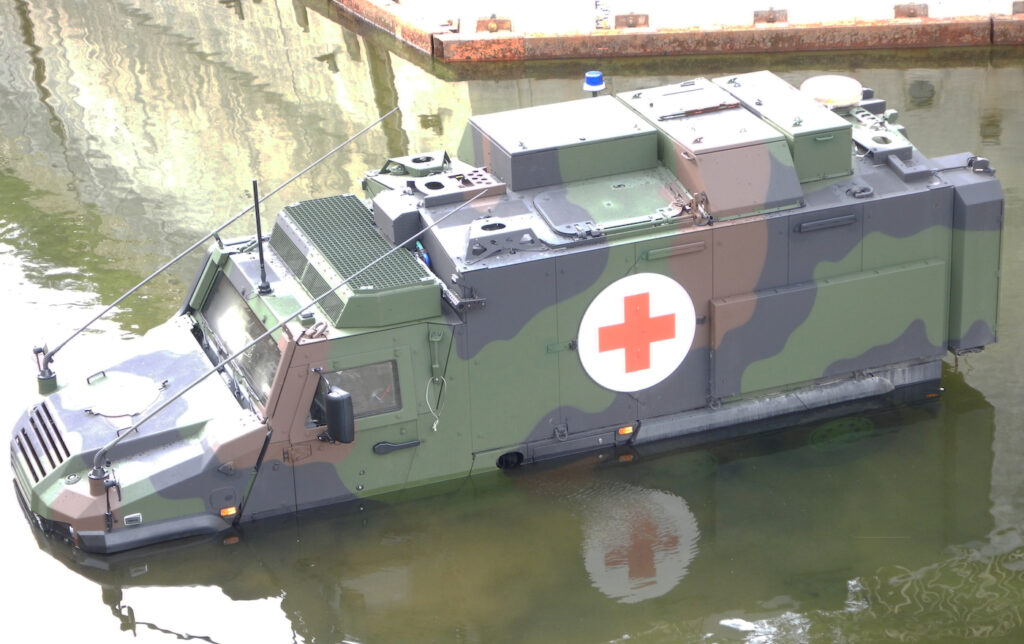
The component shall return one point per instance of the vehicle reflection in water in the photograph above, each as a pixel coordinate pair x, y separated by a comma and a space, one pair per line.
873, 524
638, 543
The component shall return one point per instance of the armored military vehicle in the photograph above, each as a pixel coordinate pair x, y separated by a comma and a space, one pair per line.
618, 269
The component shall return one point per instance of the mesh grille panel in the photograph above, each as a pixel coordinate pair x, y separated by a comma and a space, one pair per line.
341, 228
314, 283
287, 249
317, 286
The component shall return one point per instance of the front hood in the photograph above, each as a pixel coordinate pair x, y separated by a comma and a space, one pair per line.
164, 362
66, 429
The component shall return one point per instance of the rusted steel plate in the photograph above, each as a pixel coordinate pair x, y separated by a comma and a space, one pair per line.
771, 16
389, 17
506, 46
632, 21
479, 47
493, 24
882, 34
1008, 30
911, 10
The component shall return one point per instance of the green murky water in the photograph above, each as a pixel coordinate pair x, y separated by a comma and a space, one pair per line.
128, 129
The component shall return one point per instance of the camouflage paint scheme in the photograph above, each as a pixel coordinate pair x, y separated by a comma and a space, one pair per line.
817, 276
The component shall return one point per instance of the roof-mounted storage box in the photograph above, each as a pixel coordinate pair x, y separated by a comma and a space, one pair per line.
819, 139
715, 146
561, 143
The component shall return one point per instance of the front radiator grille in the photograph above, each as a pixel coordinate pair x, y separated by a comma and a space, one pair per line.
38, 443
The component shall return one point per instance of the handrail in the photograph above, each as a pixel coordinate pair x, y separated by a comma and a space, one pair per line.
45, 373
98, 472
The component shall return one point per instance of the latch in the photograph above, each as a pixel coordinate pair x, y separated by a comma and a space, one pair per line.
296, 453
434, 336
111, 482
562, 432
562, 346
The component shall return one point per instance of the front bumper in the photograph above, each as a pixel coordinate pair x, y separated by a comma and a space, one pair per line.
128, 537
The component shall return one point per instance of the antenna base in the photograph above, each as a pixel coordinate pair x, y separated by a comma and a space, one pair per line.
46, 382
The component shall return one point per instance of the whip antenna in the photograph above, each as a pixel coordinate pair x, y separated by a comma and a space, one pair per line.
264, 286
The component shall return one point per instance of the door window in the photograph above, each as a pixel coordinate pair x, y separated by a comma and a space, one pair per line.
374, 390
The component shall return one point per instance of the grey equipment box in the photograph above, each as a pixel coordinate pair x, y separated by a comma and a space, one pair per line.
819, 139
561, 143
716, 147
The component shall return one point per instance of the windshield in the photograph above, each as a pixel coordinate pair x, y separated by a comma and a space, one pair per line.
233, 326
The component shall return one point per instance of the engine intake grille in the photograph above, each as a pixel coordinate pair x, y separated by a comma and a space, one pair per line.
38, 443
325, 241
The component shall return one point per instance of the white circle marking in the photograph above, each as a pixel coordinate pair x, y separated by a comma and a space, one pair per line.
636, 332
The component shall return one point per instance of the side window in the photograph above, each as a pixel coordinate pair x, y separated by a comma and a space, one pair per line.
374, 390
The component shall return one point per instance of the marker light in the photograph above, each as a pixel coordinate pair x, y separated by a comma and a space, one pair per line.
593, 82
626, 431
229, 511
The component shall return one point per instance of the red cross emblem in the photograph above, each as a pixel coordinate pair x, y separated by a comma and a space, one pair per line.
638, 555
637, 333
623, 323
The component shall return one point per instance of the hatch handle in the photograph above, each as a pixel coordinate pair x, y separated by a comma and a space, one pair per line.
386, 447
673, 251
434, 336
824, 137
825, 224
724, 105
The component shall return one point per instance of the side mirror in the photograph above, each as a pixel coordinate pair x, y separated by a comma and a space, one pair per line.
341, 424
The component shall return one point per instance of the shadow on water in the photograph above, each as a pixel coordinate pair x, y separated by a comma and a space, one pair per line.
874, 523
